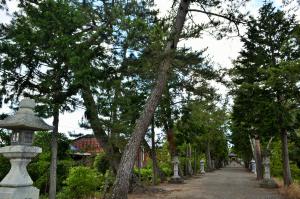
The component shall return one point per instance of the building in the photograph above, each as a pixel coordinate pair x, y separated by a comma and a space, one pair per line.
87, 145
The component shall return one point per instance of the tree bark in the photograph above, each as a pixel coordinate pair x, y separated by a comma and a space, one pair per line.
171, 141
287, 177
188, 158
121, 185
53, 165
208, 157
259, 165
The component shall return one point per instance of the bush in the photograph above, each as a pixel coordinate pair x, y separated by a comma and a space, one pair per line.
146, 174
101, 162
166, 169
82, 182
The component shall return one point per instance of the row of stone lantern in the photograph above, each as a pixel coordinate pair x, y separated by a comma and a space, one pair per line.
176, 178
17, 184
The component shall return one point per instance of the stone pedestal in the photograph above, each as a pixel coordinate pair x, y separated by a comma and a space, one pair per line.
29, 192
176, 178
202, 171
253, 166
17, 184
267, 182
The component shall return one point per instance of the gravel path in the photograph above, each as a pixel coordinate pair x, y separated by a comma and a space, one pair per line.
232, 182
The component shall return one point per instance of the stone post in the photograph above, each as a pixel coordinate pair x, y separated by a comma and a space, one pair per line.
176, 178
253, 166
202, 171
267, 182
17, 184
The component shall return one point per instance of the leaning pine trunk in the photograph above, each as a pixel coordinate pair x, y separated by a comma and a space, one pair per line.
259, 166
287, 177
53, 166
121, 185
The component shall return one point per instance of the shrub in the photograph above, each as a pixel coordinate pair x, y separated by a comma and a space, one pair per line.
166, 169
101, 162
146, 174
82, 182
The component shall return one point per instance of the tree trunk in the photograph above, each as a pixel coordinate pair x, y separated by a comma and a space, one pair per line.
186, 161
148, 149
195, 160
259, 165
287, 177
171, 141
208, 157
96, 125
121, 185
53, 166
189, 158
139, 164
252, 143
153, 154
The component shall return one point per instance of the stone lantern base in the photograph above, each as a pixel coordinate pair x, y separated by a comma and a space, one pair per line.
175, 180
19, 192
17, 184
268, 183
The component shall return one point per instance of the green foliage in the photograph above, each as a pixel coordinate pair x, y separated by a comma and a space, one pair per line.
101, 162
203, 122
4, 138
163, 153
265, 79
276, 162
43, 139
145, 173
4, 167
82, 182
39, 167
166, 168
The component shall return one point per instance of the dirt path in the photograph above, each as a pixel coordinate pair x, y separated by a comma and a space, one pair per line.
228, 183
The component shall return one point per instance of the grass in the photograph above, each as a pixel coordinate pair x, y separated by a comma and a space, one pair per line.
291, 192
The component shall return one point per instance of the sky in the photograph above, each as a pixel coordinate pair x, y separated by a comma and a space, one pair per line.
222, 52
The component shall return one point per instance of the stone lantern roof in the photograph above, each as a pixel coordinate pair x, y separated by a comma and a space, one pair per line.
25, 119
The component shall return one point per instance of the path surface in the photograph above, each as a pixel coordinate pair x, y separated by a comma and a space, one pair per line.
232, 182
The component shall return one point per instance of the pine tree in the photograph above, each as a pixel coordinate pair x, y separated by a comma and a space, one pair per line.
41, 51
268, 42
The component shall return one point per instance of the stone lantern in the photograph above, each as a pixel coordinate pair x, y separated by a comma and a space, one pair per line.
17, 184
253, 166
176, 178
202, 171
267, 182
